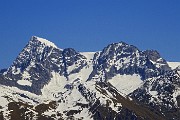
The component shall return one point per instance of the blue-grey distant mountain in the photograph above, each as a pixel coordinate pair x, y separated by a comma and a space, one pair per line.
120, 82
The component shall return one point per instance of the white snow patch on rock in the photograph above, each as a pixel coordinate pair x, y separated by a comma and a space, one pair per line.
46, 42
126, 83
25, 79
175, 94
13, 94
88, 55
15, 71
55, 86
24, 82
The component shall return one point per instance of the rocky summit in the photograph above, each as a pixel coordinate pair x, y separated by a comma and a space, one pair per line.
120, 82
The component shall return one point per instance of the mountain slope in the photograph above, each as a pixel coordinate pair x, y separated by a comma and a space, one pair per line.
119, 82
161, 93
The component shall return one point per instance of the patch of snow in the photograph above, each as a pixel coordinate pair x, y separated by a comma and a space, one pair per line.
70, 68
158, 65
24, 82
88, 55
14, 94
26, 75
153, 93
159, 60
5, 73
175, 94
46, 42
173, 65
50, 112
116, 107
126, 83
25, 79
15, 71
55, 86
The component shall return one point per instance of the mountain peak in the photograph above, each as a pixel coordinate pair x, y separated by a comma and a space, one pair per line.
44, 41
121, 43
118, 48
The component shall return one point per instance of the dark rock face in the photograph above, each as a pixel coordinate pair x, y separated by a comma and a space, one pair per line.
154, 56
160, 94
71, 57
121, 58
23, 111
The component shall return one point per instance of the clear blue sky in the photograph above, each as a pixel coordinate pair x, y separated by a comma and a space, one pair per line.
90, 25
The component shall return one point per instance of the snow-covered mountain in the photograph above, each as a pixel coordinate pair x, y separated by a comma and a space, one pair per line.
120, 82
